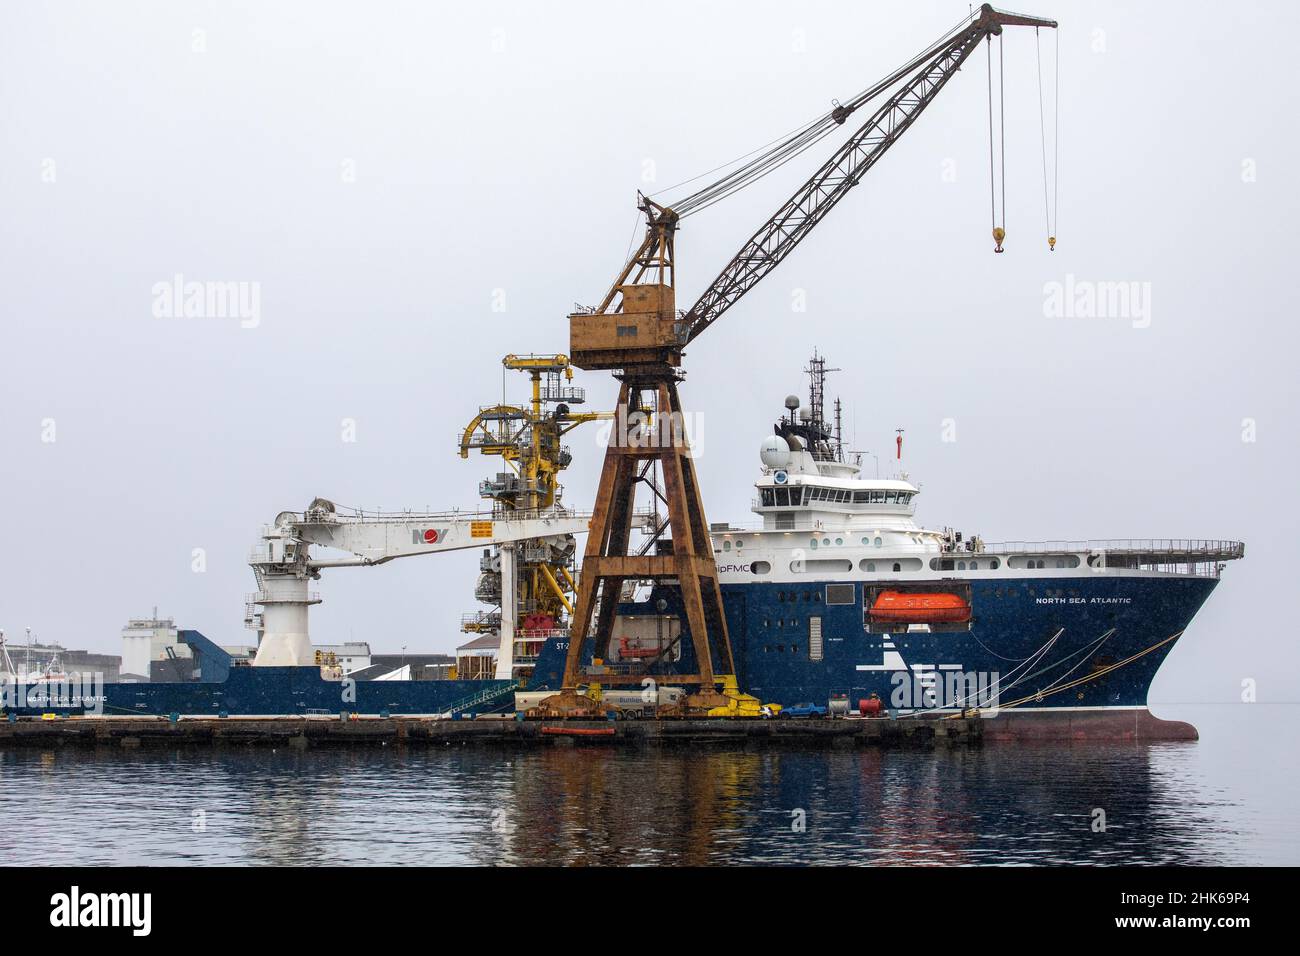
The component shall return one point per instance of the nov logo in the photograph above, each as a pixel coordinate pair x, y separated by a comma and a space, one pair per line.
428, 535
131, 910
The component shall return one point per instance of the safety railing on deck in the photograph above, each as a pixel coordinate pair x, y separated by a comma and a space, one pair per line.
1206, 549
265, 597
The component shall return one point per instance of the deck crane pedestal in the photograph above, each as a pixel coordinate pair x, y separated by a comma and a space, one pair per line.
637, 333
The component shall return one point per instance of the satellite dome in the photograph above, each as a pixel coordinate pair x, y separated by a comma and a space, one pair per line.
805, 414
774, 452
792, 402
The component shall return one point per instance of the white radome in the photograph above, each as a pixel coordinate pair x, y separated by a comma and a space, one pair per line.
774, 452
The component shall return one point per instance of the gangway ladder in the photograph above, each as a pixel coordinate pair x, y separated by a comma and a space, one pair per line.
489, 695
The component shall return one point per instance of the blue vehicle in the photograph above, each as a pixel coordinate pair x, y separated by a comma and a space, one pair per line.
803, 710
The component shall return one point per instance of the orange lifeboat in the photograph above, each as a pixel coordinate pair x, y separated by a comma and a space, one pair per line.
626, 650
896, 607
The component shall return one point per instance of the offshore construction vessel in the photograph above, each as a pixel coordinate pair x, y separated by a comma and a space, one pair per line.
840, 594
839, 597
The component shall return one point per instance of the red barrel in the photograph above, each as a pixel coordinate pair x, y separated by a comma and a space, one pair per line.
871, 707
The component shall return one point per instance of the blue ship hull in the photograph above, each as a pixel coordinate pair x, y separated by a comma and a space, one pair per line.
1059, 644
258, 691
229, 691
1027, 637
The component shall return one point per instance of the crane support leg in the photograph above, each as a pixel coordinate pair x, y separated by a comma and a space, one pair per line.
608, 562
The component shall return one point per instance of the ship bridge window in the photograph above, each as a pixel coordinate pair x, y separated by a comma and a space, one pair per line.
832, 495
769, 497
789, 497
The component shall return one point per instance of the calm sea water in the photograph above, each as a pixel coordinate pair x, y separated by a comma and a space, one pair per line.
1227, 799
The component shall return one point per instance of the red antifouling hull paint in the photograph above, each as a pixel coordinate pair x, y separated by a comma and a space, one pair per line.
1086, 725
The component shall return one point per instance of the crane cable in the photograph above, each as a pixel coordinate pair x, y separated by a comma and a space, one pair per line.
1051, 206
999, 231
773, 155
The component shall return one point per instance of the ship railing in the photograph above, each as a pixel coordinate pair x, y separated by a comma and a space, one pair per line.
1203, 569
265, 597
574, 394
1198, 549
363, 516
264, 556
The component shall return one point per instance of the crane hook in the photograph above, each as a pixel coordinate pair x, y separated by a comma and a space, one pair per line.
1051, 243
998, 235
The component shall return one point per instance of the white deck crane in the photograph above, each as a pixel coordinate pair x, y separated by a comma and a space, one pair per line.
284, 566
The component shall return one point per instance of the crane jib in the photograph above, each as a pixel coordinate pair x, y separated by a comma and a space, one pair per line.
777, 237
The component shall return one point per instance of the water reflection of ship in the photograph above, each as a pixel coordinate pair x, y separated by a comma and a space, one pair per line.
1001, 804
585, 806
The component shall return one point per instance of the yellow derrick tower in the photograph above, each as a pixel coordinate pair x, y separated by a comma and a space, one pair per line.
529, 440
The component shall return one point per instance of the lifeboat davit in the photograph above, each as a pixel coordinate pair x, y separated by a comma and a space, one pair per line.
897, 607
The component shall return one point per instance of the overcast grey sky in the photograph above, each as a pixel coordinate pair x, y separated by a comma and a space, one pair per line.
386, 172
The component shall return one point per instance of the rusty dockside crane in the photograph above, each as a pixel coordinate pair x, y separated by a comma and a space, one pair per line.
637, 333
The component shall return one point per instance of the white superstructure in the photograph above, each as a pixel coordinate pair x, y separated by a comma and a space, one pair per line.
822, 520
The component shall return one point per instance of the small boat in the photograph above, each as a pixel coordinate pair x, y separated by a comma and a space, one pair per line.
897, 607
628, 651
